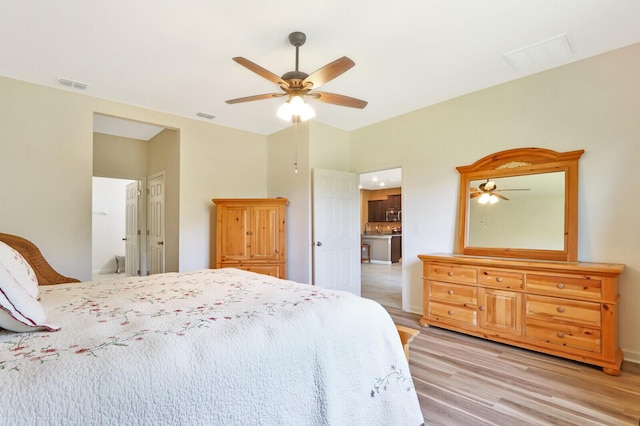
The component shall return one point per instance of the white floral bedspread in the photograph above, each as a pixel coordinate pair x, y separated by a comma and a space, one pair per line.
210, 347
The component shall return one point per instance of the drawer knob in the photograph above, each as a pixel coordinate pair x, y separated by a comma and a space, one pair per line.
499, 279
450, 312
450, 273
560, 334
560, 309
560, 286
450, 292
481, 308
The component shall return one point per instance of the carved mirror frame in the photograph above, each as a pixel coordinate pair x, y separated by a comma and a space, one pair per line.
519, 162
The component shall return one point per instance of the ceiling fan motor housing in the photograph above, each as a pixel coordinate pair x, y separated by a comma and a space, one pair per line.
297, 38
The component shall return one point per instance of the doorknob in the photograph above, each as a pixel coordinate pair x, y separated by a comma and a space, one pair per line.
124, 239
160, 243
319, 243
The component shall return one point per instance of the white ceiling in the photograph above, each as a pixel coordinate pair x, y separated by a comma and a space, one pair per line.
381, 179
129, 129
175, 56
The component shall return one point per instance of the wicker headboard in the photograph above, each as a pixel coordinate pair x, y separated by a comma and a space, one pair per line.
45, 274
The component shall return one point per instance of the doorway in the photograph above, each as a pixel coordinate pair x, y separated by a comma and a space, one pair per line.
381, 236
110, 228
126, 150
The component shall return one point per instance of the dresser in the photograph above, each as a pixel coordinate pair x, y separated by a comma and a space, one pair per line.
250, 234
566, 309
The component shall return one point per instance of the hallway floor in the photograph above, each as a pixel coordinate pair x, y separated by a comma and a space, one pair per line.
382, 283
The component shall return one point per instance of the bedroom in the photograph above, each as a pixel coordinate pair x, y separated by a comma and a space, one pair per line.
46, 165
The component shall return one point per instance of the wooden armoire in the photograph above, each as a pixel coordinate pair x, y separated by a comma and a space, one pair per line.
251, 235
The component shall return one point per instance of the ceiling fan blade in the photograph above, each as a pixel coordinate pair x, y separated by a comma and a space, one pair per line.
502, 197
329, 72
332, 98
251, 66
514, 189
475, 194
255, 98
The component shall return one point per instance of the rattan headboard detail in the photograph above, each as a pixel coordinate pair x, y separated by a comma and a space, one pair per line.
45, 274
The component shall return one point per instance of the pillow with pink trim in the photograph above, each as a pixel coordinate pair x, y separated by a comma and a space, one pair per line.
20, 312
14, 268
19, 309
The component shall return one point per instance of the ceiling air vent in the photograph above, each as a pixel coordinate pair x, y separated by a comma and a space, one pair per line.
206, 115
72, 83
549, 53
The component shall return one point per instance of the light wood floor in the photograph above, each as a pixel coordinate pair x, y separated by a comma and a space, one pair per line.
382, 283
463, 380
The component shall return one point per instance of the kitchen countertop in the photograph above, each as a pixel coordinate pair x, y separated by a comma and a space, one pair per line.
380, 235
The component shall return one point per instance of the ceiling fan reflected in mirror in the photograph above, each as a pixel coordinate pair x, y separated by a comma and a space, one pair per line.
488, 192
297, 85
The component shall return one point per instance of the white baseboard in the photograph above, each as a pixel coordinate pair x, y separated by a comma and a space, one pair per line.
103, 271
631, 356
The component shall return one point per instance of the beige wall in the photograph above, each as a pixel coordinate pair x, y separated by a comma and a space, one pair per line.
591, 105
46, 168
317, 146
119, 157
283, 181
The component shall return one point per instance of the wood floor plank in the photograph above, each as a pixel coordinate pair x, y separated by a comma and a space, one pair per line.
464, 380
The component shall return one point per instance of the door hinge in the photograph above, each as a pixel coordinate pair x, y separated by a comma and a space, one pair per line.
139, 232
148, 232
138, 272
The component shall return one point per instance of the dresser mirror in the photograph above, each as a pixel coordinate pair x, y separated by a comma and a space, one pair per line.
520, 203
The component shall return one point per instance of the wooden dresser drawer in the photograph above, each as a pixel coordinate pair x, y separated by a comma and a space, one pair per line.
567, 309
565, 335
453, 293
579, 288
452, 314
563, 310
452, 273
501, 279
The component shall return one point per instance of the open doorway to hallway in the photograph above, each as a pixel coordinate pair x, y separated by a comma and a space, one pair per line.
140, 152
381, 237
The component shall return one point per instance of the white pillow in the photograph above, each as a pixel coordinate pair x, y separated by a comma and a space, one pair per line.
19, 307
21, 312
14, 268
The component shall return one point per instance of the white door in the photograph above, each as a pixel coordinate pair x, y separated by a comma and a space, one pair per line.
336, 230
155, 223
132, 237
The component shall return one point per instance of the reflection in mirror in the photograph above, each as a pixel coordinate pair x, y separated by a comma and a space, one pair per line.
527, 212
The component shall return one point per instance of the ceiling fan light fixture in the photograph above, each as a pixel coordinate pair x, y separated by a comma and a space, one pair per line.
284, 112
306, 112
493, 199
296, 110
484, 198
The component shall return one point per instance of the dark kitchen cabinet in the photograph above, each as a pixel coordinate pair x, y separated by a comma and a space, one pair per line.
396, 248
395, 201
378, 208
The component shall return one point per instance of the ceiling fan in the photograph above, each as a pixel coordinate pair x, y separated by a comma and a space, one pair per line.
297, 85
489, 193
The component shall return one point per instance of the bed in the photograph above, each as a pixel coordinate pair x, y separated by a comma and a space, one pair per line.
207, 347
